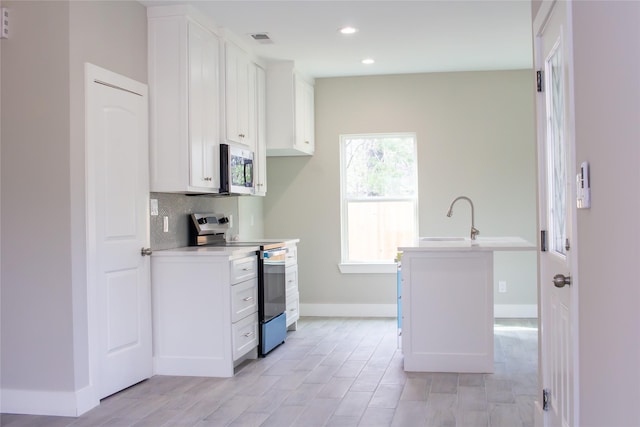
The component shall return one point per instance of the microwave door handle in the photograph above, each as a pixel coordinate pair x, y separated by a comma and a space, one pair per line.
248, 172
244, 173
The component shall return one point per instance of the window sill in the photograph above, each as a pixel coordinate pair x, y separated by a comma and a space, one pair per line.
364, 268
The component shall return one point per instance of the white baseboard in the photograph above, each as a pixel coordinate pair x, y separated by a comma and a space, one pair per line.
528, 311
56, 403
515, 311
349, 310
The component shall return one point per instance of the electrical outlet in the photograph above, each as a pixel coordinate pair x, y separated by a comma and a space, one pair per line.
502, 286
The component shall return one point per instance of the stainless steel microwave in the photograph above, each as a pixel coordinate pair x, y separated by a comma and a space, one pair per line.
236, 170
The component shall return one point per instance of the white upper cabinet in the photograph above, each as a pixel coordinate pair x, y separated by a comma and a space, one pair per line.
184, 87
290, 111
237, 95
245, 102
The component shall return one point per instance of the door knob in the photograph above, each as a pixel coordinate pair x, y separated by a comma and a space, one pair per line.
560, 280
145, 251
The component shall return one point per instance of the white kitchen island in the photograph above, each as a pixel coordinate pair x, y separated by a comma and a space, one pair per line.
447, 303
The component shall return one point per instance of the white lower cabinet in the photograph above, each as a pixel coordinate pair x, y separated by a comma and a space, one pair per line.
205, 312
291, 289
447, 311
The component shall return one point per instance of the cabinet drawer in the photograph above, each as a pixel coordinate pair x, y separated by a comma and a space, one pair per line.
292, 256
244, 269
291, 279
244, 299
293, 313
244, 335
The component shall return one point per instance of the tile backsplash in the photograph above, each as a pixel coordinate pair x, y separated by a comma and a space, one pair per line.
178, 207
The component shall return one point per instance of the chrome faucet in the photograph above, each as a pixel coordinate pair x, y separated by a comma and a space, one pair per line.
474, 230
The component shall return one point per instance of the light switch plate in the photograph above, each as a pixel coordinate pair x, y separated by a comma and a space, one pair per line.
154, 207
4, 24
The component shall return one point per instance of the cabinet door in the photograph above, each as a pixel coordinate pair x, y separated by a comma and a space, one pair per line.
308, 118
204, 114
237, 95
304, 110
260, 155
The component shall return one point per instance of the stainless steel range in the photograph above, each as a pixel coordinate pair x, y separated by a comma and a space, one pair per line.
211, 229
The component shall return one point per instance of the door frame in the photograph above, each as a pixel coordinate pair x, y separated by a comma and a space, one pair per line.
539, 24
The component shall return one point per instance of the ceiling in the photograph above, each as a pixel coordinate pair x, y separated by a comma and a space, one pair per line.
401, 36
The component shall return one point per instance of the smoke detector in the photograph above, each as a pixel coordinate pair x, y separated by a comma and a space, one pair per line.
262, 38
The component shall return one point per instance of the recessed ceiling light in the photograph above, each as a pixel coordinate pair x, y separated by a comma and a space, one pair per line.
368, 61
348, 30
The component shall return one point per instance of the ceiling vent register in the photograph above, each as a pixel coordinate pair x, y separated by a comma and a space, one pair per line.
262, 38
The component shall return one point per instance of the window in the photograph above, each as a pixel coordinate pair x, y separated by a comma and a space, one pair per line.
379, 192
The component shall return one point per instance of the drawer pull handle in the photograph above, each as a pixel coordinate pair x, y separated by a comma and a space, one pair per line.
248, 299
247, 269
248, 334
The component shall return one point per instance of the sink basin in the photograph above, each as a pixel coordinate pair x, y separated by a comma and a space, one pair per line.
443, 239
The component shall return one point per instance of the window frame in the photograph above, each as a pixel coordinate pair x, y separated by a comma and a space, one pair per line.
371, 266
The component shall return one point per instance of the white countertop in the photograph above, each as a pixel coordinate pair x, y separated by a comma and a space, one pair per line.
223, 251
465, 244
268, 240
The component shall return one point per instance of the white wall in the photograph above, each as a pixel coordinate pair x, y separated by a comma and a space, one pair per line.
44, 319
475, 135
36, 265
606, 37
0, 208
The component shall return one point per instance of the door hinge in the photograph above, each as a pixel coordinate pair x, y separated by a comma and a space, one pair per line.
546, 399
539, 81
543, 240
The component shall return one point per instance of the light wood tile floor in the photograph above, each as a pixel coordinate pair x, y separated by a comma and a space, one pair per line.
331, 372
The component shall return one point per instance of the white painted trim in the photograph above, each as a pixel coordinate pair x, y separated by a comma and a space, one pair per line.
54, 403
86, 399
515, 311
349, 310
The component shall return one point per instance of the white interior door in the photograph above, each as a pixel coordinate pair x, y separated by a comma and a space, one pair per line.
557, 212
117, 217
